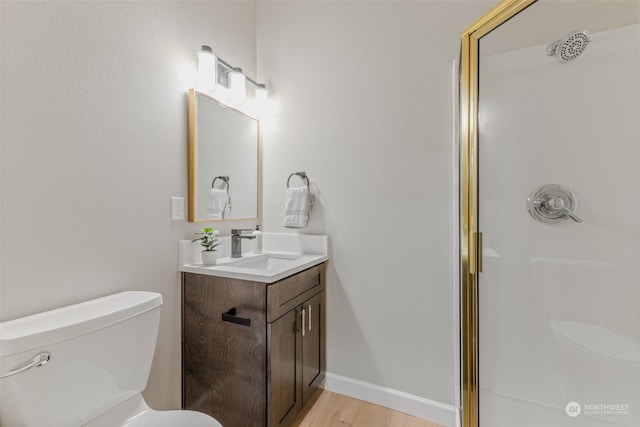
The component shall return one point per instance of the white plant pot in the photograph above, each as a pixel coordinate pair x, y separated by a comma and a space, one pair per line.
209, 257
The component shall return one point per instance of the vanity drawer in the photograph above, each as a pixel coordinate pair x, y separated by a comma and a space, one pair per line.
286, 294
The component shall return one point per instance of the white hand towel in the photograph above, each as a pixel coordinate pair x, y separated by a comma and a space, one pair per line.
218, 206
296, 207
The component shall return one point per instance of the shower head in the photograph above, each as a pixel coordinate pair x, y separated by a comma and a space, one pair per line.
570, 47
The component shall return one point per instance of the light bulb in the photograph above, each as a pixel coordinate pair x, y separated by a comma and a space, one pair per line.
207, 78
237, 87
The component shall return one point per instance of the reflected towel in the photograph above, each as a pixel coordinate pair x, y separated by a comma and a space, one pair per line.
219, 204
296, 207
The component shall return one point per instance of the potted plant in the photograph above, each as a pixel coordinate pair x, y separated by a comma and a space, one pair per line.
209, 241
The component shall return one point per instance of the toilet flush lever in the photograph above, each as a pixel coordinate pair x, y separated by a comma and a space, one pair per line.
39, 360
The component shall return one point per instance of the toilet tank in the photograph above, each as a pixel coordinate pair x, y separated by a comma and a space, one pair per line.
100, 355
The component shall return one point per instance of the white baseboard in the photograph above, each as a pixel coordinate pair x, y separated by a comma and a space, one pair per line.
417, 406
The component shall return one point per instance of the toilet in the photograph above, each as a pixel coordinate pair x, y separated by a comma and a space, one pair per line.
85, 365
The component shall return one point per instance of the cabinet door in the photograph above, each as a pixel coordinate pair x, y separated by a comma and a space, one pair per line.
284, 354
313, 344
224, 363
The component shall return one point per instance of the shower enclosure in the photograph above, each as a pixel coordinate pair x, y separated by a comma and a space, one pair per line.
550, 215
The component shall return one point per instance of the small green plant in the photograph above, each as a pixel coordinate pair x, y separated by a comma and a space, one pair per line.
208, 239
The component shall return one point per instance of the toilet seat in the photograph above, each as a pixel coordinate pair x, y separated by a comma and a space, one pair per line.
153, 418
134, 412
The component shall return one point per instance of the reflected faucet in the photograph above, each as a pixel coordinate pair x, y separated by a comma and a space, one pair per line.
236, 241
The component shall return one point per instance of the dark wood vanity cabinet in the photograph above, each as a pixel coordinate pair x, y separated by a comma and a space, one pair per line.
295, 359
252, 353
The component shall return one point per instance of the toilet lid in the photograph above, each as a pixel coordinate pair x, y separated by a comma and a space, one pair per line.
172, 419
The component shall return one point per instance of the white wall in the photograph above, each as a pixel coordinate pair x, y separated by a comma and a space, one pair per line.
94, 143
93, 133
363, 91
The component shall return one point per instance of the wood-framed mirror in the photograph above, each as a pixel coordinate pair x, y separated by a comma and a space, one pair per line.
224, 167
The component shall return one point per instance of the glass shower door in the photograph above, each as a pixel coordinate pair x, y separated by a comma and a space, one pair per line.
559, 211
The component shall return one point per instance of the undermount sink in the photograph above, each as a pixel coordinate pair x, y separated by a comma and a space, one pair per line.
267, 261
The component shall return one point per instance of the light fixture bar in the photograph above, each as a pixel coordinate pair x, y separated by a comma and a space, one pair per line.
230, 68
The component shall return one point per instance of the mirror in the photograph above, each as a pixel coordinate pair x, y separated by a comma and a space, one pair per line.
223, 160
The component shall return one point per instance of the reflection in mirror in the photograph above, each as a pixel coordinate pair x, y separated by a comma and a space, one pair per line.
223, 161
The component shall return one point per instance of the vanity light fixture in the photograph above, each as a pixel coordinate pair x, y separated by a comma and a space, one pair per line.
214, 71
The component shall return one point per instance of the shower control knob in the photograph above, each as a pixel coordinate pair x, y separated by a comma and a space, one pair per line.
555, 203
552, 204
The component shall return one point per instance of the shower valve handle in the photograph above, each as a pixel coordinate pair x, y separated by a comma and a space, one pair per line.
557, 204
570, 214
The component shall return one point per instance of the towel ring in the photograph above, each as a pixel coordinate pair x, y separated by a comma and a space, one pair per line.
303, 176
224, 178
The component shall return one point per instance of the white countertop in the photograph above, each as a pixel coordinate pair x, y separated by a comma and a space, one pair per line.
283, 255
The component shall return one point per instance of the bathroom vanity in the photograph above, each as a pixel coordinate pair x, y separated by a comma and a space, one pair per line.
253, 344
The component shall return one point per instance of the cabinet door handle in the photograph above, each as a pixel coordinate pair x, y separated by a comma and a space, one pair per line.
309, 317
303, 310
230, 316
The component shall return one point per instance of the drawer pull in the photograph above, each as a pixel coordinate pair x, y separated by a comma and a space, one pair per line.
230, 316
303, 322
309, 317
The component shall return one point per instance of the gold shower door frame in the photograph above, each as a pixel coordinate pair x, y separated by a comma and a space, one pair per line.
470, 236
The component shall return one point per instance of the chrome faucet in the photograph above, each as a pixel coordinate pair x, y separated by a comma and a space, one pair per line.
236, 241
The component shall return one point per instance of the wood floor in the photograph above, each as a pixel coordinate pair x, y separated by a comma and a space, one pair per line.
335, 410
